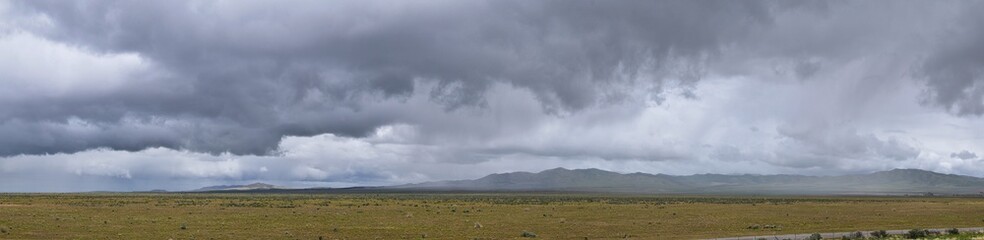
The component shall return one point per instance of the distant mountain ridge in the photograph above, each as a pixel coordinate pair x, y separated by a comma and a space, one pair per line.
254, 186
897, 181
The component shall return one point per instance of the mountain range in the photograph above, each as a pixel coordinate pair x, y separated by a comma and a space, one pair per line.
893, 182
254, 186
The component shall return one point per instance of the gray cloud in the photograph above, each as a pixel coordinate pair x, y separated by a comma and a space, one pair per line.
954, 74
827, 144
964, 155
245, 65
453, 84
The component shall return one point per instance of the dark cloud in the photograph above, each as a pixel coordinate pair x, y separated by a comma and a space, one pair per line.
955, 74
244, 67
964, 155
807, 69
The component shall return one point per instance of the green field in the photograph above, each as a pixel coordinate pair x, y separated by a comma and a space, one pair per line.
462, 216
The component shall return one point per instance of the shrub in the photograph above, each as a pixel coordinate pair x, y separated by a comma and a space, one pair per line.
527, 234
916, 234
953, 231
879, 234
4, 229
815, 236
857, 235
184, 226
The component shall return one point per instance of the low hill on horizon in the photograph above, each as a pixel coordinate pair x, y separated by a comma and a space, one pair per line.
254, 186
892, 182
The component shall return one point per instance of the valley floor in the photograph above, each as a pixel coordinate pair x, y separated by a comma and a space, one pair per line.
464, 216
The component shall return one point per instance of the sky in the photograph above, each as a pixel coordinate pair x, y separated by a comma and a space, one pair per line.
181, 94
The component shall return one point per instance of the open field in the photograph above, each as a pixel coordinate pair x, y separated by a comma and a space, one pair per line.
463, 216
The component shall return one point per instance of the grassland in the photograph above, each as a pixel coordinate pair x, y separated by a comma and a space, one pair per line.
462, 216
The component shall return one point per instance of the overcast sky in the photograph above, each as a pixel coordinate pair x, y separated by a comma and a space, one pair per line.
176, 95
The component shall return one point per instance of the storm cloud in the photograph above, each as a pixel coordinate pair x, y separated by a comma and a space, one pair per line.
250, 66
666, 86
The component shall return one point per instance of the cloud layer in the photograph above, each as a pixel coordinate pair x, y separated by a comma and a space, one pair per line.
217, 91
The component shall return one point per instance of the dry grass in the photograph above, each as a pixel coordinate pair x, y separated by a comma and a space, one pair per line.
455, 216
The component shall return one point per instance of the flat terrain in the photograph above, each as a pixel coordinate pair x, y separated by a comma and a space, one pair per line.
963, 233
463, 216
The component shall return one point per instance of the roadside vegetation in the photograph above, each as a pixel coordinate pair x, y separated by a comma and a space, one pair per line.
471, 216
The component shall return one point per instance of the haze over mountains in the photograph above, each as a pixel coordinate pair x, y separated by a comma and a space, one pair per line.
892, 182
897, 181
253, 186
